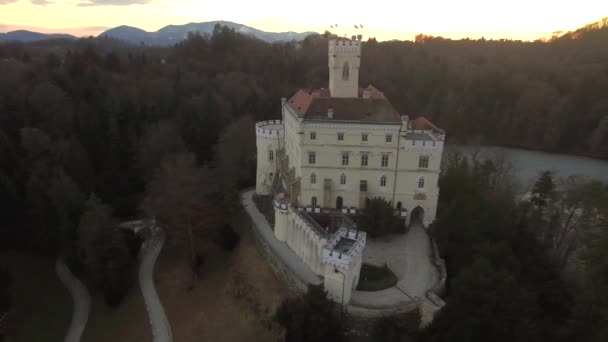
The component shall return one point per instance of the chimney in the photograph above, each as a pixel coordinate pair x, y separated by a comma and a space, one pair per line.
404, 121
330, 113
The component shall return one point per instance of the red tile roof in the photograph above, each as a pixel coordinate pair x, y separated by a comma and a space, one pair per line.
313, 104
422, 123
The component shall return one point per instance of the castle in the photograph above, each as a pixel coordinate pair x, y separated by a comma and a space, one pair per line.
334, 149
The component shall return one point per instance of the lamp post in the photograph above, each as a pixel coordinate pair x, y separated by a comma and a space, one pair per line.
342, 302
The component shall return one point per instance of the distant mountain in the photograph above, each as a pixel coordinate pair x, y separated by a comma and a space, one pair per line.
28, 36
173, 34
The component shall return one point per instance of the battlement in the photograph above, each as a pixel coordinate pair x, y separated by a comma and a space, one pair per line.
344, 47
269, 129
343, 247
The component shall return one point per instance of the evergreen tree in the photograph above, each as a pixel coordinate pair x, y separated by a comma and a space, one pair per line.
310, 317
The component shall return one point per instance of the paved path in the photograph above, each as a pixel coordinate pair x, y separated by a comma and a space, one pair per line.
80, 297
289, 257
161, 330
408, 256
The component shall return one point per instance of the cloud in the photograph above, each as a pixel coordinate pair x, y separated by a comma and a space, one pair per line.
89, 3
6, 2
41, 2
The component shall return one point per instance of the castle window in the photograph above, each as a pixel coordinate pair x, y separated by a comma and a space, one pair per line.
364, 137
313, 178
389, 138
270, 155
345, 71
383, 181
313, 135
364, 159
313, 201
312, 158
344, 158
384, 162
343, 179
340, 136
423, 162
421, 182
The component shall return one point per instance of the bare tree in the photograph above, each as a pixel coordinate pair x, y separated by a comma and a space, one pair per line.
177, 198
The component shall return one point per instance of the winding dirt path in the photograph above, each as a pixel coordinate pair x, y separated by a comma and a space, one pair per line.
161, 330
81, 299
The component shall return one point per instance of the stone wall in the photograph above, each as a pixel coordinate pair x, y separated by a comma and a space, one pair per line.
294, 283
439, 288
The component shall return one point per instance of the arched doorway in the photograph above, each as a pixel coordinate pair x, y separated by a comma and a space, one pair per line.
399, 205
339, 202
417, 215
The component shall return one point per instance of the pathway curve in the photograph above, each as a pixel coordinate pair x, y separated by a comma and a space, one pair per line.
161, 330
80, 297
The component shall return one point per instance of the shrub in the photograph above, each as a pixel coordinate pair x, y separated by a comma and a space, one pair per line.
399, 328
310, 317
373, 278
378, 218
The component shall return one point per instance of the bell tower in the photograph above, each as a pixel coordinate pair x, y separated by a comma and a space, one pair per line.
344, 57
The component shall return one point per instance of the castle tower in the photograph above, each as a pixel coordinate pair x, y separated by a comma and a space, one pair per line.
344, 57
268, 135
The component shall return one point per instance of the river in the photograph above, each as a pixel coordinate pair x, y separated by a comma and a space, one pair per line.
528, 164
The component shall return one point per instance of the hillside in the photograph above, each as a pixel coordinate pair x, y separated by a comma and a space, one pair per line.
29, 36
598, 27
172, 34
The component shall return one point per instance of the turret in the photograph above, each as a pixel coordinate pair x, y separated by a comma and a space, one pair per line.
344, 59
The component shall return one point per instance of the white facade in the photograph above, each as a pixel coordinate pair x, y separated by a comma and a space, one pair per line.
399, 183
269, 138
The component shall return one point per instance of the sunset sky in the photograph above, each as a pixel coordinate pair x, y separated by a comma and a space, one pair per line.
384, 19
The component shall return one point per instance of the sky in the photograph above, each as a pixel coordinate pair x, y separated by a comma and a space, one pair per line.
383, 19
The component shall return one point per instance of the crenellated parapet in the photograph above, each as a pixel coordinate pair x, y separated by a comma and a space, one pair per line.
344, 247
270, 129
344, 46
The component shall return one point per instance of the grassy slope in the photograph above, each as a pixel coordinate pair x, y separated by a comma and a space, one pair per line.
128, 322
43, 306
208, 312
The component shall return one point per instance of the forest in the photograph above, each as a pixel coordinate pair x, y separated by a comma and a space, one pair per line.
95, 131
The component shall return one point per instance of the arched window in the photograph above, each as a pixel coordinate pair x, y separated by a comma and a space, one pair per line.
339, 203
345, 158
270, 155
384, 162
364, 159
313, 178
423, 162
383, 181
345, 71
421, 182
343, 179
313, 201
